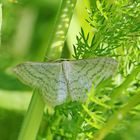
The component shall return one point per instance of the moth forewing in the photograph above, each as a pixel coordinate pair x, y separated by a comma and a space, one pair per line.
65, 80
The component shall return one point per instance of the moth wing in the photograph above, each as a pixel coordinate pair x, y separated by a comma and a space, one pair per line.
48, 78
81, 74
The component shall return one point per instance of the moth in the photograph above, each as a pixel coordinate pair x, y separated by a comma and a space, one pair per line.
62, 81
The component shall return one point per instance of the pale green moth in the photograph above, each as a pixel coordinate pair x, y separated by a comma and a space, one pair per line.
65, 80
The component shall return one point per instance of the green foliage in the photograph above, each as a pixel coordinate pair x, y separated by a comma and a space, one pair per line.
112, 109
118, 29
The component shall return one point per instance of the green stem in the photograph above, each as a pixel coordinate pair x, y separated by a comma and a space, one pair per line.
35, 111
33, 118
58, 37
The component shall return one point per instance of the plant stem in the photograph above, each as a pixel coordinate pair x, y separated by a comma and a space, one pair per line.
35, 111
58, 37
33, 118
